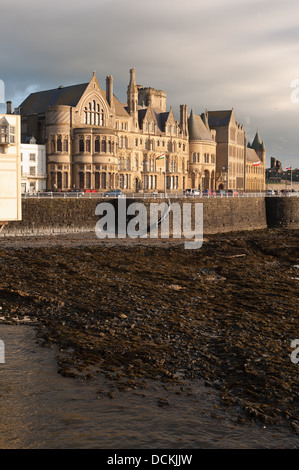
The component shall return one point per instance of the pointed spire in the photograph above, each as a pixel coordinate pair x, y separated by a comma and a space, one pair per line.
192, 127
257, 142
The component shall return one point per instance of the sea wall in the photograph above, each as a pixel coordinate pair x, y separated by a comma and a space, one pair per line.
47, 216
282, 212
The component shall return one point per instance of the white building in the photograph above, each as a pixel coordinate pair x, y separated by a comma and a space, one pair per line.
33, 167
10, 168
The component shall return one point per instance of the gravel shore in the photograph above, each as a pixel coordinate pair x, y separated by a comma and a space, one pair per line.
148, 309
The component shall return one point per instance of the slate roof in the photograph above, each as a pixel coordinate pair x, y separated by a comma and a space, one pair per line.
39, 101
219, 118
257, 143
197, 129
70, 96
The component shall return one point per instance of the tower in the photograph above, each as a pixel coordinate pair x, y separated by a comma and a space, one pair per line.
259, 147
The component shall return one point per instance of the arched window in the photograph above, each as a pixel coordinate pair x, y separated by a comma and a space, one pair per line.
104, 145
52, 145
81, 144
87, 145
97, 145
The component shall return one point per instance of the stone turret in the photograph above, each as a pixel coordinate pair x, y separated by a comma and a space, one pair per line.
259, 147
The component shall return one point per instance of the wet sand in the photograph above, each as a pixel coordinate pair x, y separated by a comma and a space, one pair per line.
152, 310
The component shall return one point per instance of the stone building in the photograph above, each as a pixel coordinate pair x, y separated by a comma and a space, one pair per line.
95, 142
33, 166
10, 168
255, 174
202, 149
231, 147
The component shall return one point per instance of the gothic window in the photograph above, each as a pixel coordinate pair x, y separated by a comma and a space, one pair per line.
88, 145
93, 114
81, 145
128, 164
52, 145
97, 145
104, 145
65, 145
59, 144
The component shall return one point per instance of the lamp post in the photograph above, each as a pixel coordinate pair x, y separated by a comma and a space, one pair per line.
226, 168
144, 170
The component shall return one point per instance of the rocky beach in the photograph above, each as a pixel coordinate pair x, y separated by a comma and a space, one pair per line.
139, 310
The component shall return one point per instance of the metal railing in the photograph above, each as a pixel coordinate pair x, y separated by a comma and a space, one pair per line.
141, 195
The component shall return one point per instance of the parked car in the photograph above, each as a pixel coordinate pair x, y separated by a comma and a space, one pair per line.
220, 192
113, 193
192, 192
270, 192
73, 192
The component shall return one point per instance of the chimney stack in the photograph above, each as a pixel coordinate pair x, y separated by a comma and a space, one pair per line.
109, 90
184, 119
8, 107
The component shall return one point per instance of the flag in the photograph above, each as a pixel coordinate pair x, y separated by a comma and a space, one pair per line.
160, 157
256, 164
288, 168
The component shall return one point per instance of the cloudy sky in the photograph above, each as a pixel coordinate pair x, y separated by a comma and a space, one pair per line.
208, 54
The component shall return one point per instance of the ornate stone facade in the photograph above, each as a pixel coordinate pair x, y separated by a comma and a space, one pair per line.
96, 142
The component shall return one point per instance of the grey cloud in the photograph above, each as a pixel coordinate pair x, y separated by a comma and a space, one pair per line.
207, 54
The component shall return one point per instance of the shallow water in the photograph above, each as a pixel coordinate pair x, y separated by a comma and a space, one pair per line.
41, 409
